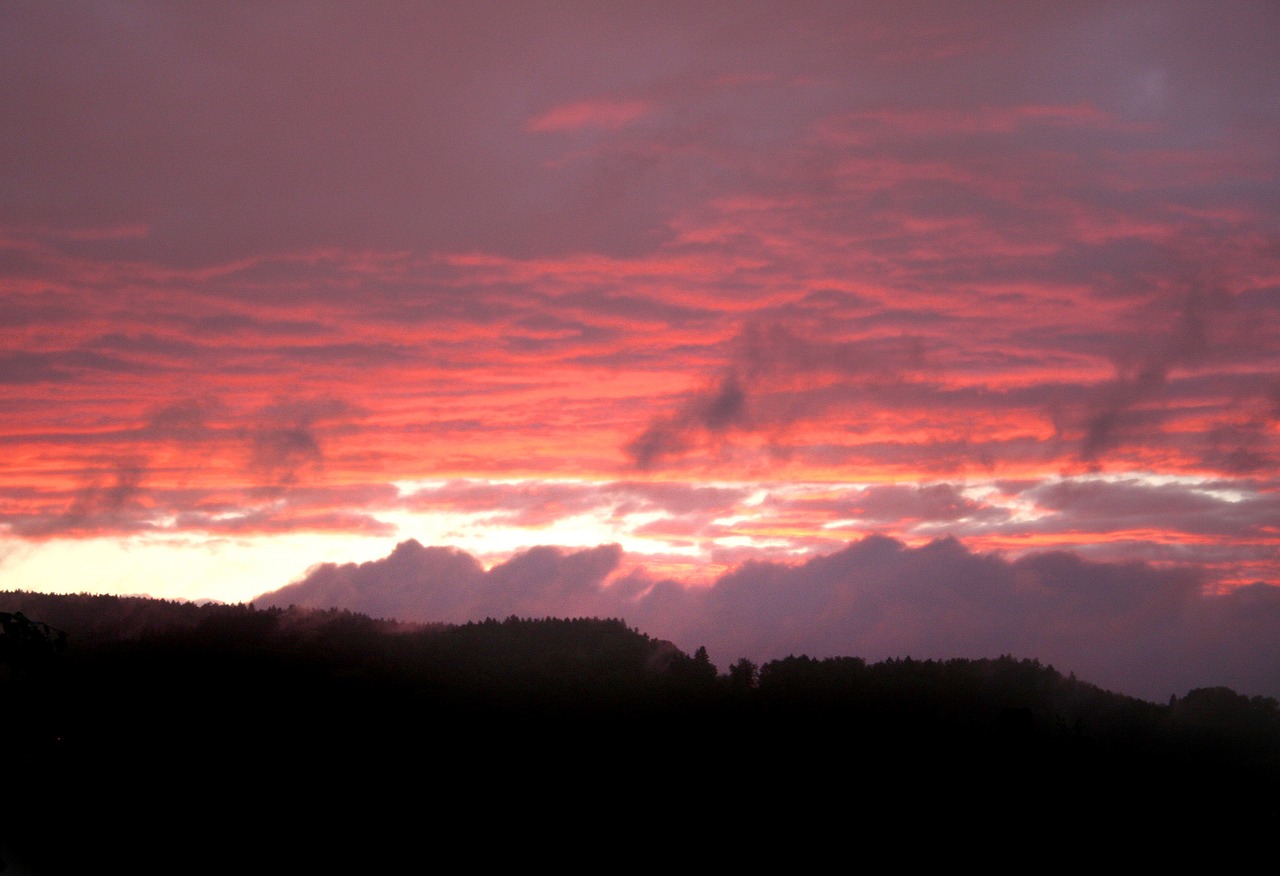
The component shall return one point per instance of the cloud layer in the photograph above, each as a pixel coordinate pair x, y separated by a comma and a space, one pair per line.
715, 282
1127, 626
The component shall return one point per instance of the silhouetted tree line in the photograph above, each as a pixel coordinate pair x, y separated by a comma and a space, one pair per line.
146, 712
24, 642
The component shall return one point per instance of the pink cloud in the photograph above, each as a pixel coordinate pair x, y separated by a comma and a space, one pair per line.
603, 113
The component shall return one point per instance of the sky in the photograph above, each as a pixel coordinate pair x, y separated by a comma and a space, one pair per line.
940, 328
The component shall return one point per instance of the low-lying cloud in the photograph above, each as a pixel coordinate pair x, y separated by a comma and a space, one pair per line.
1134, 627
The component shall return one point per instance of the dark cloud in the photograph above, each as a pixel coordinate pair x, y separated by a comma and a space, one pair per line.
436, 583
1202, 508
110, 500
1134, 627
757, 393
712, 414
287, 438
1250, 443
195, 465
62, 366
413, 583
879, 506
238, 324
281, 440
192, 419
1144, 366
527, 582
116, 499
281, 452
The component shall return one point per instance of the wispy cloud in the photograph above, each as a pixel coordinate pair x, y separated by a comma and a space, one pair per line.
606, 113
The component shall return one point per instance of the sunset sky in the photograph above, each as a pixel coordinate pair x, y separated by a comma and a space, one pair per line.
699, 294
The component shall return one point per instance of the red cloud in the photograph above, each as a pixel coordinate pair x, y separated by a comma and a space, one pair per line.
603, 113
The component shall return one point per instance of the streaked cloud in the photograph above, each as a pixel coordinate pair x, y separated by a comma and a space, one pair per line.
722, 285
606, 113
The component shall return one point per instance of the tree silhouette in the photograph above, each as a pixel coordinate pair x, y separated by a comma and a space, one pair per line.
743, 675
24, 642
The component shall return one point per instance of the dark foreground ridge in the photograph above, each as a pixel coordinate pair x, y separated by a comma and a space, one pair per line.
150, 736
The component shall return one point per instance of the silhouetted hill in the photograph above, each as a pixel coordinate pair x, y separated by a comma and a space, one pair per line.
165, 728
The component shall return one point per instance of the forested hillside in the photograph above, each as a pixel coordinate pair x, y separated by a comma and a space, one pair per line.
135, 722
